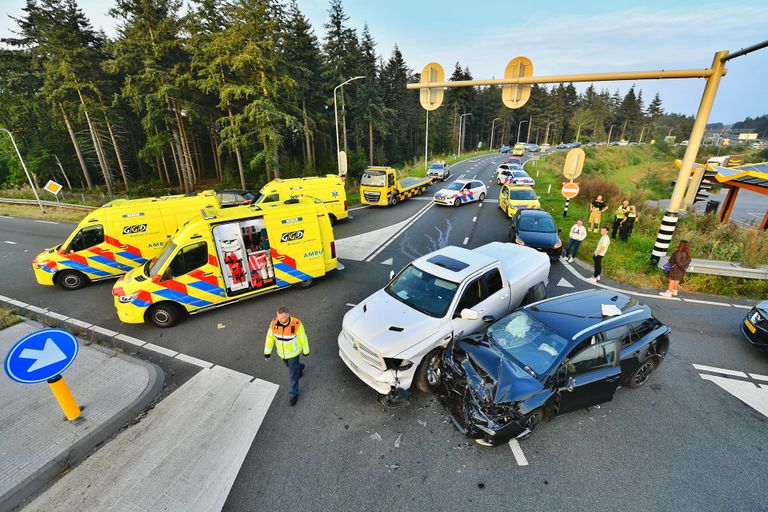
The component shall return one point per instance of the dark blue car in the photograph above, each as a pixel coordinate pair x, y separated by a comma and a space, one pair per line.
548, 358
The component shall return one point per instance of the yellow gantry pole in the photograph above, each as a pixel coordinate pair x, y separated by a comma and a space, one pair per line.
589, 77
669, 221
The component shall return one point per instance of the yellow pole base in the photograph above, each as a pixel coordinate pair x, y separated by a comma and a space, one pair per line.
64, 397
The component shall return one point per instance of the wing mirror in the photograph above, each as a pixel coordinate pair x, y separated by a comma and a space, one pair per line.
489, 319
469, 314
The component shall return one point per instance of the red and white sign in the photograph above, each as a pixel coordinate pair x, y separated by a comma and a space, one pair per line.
570, 190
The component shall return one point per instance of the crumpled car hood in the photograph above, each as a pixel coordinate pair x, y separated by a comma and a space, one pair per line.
489, 373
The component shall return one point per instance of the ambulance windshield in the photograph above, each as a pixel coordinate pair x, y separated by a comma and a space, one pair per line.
155, 264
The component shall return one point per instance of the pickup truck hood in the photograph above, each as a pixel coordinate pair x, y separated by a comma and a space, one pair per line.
389, 326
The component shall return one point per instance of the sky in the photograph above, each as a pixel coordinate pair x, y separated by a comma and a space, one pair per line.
560, 37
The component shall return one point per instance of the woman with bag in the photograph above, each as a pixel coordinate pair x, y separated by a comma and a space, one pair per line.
676, 266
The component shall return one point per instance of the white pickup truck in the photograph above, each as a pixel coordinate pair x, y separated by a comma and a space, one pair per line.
395, 337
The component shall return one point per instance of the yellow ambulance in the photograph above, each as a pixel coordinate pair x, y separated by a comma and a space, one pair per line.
229, 255
116, 238
329, 189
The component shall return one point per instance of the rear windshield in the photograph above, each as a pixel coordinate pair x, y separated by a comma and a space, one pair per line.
374, 179
522, 194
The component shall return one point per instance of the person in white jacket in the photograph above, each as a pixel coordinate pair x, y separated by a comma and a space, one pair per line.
576, 236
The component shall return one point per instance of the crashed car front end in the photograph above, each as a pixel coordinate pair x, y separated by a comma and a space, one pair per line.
487, 405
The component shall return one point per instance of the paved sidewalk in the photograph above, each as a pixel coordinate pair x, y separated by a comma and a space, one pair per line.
184, 456
36, 441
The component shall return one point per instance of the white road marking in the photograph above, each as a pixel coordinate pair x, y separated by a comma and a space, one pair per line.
724, 371
410, 222
740, 306
757, 376
474, 177
517, 451
351, 305
466, 241
745, 390
711, 303
5, 217
9, 242
46, 222
387, 262
474, 219
565, 284
358, 207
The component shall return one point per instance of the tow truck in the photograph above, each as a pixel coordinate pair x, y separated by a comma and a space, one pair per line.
380, 186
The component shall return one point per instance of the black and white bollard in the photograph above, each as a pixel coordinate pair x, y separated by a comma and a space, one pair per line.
565, 211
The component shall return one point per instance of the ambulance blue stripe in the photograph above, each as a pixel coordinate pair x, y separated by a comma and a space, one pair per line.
132, 257
180, 297
140, 303
281, 283
110, 263
49, 269
207, 287
283, 267
85, 268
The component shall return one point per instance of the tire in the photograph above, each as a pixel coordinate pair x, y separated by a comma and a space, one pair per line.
456, 202
532, 420
429, 375
482, 197
164, 314
393, 200
642, 373
71, 280
306, 284
333, 220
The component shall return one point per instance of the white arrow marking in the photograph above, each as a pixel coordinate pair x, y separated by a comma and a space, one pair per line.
387, 262
9, 242
564, 283
51, 354
752, 393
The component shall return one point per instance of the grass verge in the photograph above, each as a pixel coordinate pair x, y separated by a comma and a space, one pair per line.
629, 262
8, 317
33, 212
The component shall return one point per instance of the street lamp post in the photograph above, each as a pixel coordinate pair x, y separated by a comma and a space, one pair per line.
520, 125
336, 116
461, 124
493, 125
546, 135
24, 166
609, 133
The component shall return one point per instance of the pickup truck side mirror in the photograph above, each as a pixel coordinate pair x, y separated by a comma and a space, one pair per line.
469, 314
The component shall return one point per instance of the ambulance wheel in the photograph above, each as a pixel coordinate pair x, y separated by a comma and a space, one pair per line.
71, 280
332, 219
306, 284
164, 314
393, 201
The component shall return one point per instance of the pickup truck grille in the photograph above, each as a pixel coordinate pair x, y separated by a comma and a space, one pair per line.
365, 353
372, 197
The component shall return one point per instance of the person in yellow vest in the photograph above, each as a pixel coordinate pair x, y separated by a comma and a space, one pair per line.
625, 230
618, 217
596, 210
286, 334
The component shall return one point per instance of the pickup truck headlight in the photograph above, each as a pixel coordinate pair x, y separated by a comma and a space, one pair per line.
125, 299
397, 364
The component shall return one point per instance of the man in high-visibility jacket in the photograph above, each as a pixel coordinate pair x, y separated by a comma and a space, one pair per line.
619, 216
286, 334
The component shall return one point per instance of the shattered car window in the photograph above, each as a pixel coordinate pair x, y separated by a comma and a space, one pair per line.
527, 341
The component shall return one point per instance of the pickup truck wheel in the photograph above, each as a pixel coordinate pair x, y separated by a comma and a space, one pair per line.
457, 202
429, 374
642, 373
393, 201
71, 280
164, 314
532, 420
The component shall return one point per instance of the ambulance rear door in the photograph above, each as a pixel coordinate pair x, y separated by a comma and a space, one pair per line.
296, 242
245, 258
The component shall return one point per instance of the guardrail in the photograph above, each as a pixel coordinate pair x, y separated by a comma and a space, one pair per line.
722, 268
32, 202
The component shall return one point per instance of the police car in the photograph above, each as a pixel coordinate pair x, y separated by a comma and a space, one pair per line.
459, 192
516, 177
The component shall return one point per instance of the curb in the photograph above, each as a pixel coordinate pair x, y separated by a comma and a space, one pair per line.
81, 449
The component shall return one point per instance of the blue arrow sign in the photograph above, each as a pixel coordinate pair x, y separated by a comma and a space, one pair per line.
41, 355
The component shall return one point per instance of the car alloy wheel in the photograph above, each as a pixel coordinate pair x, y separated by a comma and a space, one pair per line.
642, 373
456, 202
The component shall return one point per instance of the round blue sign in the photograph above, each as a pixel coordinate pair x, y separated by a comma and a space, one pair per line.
41, 355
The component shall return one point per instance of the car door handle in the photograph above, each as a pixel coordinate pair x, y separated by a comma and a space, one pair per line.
122, 247
504, 296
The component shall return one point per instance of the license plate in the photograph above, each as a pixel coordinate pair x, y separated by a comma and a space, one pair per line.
750, 326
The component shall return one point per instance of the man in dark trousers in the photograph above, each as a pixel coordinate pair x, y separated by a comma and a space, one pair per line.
619, 216
286, 334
